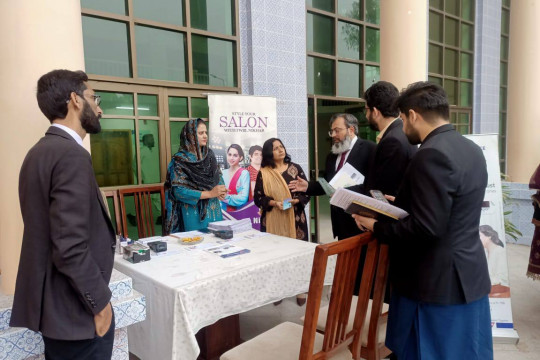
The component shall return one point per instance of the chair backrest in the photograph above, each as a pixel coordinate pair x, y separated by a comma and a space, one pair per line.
335, 337
143, 208
117, 221
375, 348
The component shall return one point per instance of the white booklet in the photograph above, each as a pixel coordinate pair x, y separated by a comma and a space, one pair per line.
355, 203
347, 176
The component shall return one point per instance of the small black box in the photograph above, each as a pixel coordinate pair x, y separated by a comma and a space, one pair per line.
157, 246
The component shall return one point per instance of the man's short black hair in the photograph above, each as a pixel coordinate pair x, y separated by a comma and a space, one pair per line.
382, 96
426, 98
54, 89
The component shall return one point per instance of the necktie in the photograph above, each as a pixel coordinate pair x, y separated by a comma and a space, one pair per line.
342, 160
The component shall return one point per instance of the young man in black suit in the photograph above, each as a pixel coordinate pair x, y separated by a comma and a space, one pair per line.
347, 147
393, 151
438, 270
62, 287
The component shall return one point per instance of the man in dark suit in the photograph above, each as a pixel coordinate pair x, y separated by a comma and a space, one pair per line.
438, 270
62, 287
347, 147
393, 151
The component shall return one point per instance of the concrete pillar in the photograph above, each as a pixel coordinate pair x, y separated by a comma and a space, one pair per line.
523, 122
37, 36
404, 41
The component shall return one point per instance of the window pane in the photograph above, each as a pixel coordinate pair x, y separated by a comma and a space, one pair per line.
506, 3
199, 108
435, 59
176, 130
147, 105
465, 94
214, 16
160, 54
167, 11
320, 76
350, 8
467, 40
467, 9
112, 6
438, 4
349, 79
504, 73
327, 5
373, 12
450, 86
504, 48
106, 50
505, 21
463, 118
451, 32
435, 80
435, 27
113, 153
466, 66
149, 145
373, 37
349, 40
373, 74
178, 107
116, 103
450, 62
320, 34
452, 7
214, 61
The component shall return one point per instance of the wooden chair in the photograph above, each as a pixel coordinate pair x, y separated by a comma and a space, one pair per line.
143, 208
289, 341
374, 330
117, 221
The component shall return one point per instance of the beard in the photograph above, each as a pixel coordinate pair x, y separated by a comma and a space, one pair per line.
413, 136
372, 124
89, 120
342, 146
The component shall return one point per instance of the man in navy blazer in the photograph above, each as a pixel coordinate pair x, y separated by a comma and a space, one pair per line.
347, 147
62, 287
439, 307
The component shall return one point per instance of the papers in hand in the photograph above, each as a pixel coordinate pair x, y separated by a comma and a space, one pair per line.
347, 176
355, 203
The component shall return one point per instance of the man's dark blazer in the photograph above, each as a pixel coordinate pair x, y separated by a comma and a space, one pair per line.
343, 225
390, 160
68, 241
436, 255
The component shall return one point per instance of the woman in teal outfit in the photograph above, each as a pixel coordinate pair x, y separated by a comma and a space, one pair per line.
194, 185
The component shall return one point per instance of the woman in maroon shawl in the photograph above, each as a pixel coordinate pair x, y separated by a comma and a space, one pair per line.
533, 271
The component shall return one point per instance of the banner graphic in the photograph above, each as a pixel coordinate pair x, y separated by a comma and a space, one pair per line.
239, 125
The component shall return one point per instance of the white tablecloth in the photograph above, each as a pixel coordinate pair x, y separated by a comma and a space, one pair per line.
192, 289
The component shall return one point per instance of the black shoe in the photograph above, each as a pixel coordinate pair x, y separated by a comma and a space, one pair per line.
132, 219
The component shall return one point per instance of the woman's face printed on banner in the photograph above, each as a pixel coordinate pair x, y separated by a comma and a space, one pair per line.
233, 157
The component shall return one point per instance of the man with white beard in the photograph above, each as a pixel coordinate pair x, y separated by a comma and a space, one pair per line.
347, 147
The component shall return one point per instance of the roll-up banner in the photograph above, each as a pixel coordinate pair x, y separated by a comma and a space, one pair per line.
239, 125
493, 239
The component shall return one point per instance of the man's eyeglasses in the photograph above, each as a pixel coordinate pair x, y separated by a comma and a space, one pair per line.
97, 99
335, 130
